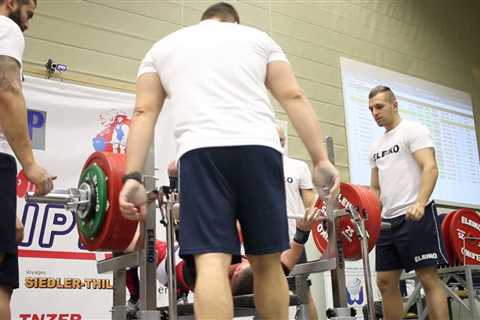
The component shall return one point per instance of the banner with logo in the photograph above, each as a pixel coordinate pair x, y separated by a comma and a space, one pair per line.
355, 286
58, 278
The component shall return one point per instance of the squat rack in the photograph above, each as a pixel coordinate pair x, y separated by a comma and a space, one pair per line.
146, 259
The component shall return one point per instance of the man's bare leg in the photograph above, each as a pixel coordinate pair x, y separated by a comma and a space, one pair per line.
213, 295
5, 295
270, 286
388, 284
431, 283
312, 309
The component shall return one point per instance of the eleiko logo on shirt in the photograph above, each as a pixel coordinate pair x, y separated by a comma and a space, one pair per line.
384, 153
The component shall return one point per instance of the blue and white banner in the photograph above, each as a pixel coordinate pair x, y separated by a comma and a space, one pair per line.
58, 279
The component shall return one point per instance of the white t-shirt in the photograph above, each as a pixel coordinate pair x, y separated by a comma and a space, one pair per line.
399, 173
12, 45
214, 73
297, 178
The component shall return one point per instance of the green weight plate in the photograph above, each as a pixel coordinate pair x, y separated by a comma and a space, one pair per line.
91, 226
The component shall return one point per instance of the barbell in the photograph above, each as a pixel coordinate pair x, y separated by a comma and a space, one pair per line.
101, 227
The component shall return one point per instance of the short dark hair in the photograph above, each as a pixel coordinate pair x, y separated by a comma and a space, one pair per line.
223, 11
243, 282
380, 89
21, 2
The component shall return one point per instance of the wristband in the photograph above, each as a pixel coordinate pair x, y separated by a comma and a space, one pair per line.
301, 237
135, 175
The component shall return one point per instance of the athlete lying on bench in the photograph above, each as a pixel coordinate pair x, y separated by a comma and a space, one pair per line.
240, 274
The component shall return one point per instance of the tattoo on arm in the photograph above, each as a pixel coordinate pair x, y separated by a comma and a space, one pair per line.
10, 75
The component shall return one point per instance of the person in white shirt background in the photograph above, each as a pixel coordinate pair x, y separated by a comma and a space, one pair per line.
300, 196
404, 173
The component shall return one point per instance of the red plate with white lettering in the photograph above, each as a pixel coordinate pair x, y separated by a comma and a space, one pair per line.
367, 203
116, 232
445, 229
465, 236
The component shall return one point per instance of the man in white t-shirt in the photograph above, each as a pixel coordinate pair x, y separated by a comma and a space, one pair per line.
298, 186
15, 16
404, 173
300, 197
216, 74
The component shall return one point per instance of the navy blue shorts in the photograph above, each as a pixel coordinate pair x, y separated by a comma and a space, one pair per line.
411, 244
221, 185
8, 211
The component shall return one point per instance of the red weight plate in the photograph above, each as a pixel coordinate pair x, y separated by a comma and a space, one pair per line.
347, 230
117, 232
465, 236
319, 233
365, 201
351, 245
368, 205
445, 229
374, 219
